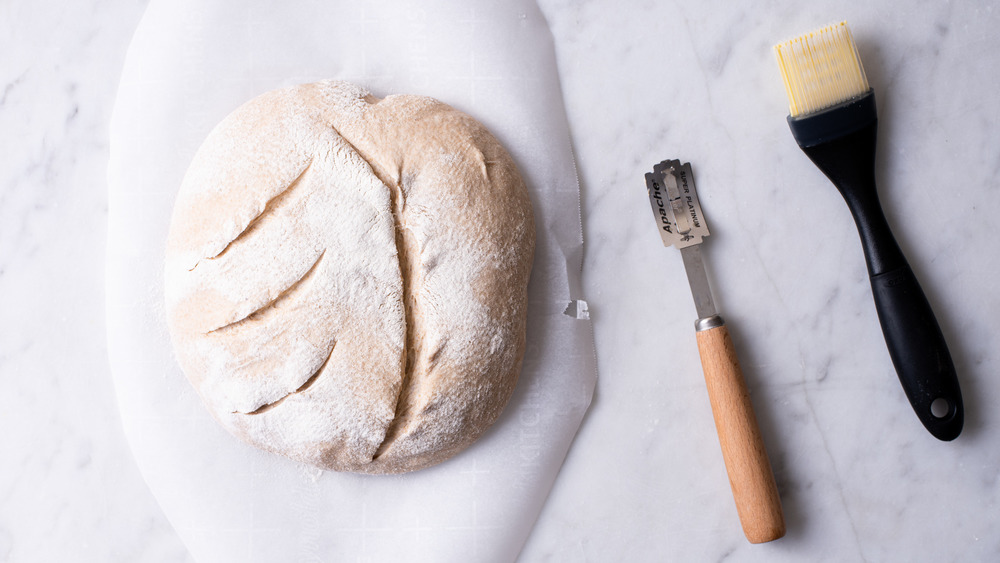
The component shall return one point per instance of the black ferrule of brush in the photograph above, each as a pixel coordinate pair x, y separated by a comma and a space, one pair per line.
841, 140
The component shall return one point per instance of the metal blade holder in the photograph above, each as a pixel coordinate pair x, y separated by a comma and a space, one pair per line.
675, 203
681, 223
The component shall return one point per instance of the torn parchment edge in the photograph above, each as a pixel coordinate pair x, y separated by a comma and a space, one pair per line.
578, 309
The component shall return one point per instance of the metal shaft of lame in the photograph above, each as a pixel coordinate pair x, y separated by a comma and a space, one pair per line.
698, 279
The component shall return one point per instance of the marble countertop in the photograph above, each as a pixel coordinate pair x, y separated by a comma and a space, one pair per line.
859, 477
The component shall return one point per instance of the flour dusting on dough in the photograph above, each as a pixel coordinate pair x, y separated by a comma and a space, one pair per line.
346, 277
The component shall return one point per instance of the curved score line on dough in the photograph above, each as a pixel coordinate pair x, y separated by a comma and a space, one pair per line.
409, 272
285, 293
409, 269
269, 207
308, 383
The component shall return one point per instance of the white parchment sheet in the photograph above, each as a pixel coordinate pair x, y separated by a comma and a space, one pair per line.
190, 64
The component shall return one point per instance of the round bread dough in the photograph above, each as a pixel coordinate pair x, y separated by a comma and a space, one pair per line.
346, 277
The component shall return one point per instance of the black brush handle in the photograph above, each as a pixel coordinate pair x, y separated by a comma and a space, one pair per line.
912, 335
919, 352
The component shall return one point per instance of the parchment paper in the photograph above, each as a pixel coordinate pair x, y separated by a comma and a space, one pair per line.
191, 63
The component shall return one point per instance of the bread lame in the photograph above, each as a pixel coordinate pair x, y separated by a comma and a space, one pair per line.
681, 223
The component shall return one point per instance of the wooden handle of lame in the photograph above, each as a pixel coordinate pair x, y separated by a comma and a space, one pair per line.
750, 475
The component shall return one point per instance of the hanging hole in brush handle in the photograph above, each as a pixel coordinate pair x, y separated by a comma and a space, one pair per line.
941, 408
919, 352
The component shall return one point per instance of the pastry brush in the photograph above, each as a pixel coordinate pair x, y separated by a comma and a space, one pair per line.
833, 119
681, 223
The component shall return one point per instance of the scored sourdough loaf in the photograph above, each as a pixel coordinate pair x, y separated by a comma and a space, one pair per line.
346, 277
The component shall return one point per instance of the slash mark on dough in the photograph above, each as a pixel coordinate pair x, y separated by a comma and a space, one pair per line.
308, 383
269, 208
270, 304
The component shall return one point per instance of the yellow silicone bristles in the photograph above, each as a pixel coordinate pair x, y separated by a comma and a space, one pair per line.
821, 69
